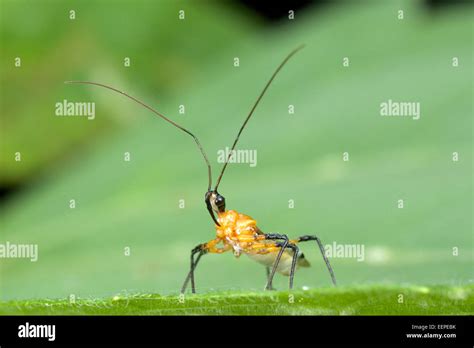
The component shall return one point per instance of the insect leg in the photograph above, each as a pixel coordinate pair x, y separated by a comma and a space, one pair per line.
296, 250
276, 236
294, 259
321, 247
268, 276
200, 250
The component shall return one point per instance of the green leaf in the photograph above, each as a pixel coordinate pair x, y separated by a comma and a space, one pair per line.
367, 300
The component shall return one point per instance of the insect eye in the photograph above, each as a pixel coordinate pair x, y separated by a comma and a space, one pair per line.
219, 201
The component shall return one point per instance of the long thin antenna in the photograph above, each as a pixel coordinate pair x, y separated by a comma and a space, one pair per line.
160, 115
253, 109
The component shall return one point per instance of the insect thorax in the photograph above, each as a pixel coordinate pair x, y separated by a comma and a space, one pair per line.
234, 224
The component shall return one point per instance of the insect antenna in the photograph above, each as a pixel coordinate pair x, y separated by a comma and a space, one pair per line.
291, 54
196, 140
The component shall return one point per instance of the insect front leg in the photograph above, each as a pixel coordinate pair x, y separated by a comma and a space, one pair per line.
201, 249
323, 253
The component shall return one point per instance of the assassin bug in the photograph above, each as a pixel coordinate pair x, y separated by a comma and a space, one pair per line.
236, 231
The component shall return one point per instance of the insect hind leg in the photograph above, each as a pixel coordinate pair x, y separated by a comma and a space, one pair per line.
323, 253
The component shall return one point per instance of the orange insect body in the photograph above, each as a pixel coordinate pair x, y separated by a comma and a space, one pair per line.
239, 232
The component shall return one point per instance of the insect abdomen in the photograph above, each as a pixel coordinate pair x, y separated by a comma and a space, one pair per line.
284, 267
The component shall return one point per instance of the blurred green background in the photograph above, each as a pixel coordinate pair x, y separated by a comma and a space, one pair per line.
136, 204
